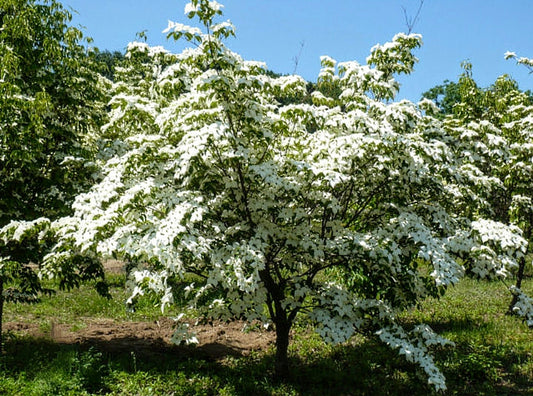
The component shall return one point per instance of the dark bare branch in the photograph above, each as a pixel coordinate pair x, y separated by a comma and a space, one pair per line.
410, 22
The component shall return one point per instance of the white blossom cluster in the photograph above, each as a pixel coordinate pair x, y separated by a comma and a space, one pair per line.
413, 346
499, 248
528, 62
17, 230
523, 306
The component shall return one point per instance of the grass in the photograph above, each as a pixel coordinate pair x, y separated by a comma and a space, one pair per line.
493, 354
494, 351
75, 306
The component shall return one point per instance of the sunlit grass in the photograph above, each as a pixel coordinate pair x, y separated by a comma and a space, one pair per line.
72, 307
493, 354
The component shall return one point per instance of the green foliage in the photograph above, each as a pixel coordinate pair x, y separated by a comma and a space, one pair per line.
22, 282
239, 193
445, 96
51, 102
465, 98
109, 61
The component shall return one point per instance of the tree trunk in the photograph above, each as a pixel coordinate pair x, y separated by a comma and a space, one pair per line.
283, 321
283, 328
519, 278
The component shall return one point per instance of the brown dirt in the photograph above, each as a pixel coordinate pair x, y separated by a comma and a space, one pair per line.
114, 266
216, 340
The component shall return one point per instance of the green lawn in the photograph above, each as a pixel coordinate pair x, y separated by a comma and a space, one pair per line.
493, 354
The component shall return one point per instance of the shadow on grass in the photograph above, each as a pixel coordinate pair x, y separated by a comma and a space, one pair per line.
475, 367
461, 324
129, 365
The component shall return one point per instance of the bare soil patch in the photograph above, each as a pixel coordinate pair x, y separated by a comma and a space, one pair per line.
216, 340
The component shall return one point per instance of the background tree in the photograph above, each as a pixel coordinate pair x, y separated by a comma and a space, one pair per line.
445, 96
491, 129
449, 93
109, 61
51, 105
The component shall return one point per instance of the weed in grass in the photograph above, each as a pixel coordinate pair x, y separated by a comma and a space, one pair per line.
133, 361
89, 370
45, 327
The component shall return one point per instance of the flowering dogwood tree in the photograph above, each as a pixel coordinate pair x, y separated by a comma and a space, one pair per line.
341, 211
492, 130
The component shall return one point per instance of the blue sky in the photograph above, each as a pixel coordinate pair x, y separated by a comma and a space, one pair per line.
279, 31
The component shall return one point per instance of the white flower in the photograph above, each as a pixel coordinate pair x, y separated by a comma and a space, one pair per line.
181, 28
